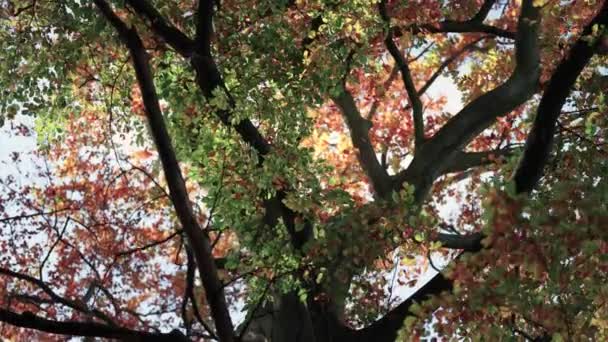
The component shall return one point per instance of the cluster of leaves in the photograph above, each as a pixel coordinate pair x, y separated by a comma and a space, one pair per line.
544, 269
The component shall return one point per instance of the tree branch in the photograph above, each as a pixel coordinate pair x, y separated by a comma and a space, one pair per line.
177, 188
466, 160
483, 12
204, 27
446, 63
467, 243
150, 245
448, 141
209, 79
92, 329
385, 329
75, 305
406, 75
168, 32
359, 133
483, 111
386, 85
473, 25
189, 295
199, 50
540, 139
449, 26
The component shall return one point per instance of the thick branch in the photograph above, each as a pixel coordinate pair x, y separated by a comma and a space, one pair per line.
531, 166
473, 25
208, 75
168, 32
209, 80
483, 111
78, 306
177, 188
540, 140
359, 133
467, 243
483, 12
74, 328
449, 26
463, 161
406, 75
386, 328
204, 27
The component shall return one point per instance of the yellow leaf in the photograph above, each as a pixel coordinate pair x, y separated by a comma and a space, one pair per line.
408, 261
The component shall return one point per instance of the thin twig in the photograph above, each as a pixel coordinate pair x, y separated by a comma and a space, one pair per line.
150, 245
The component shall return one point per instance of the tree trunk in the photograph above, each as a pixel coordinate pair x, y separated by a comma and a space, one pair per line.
290, 320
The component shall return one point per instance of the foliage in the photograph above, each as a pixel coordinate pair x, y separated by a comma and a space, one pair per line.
323, 171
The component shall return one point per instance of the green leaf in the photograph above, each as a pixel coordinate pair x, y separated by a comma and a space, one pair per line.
302, 295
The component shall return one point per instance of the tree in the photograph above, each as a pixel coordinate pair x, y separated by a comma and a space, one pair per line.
204, 162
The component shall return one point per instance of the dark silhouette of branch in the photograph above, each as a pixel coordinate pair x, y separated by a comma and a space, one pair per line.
199, 52
469, 47
473, 25
359, 133
72, 304
92, 329
483, 12
189, 295
27, 216
48, 253
463, 161
18, 11
167, 31
598, 146
150, 245
406, 75
467, 243
450, 26
540, 139
204, 27
483, 111
385, 329
177, 188
209, 80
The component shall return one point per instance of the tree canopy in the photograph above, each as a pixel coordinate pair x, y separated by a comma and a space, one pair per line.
309, 170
